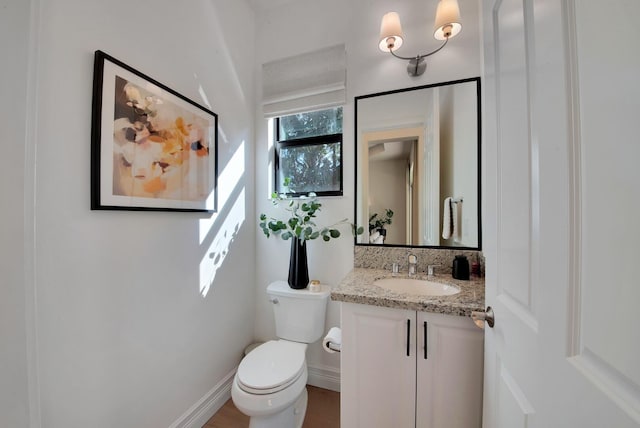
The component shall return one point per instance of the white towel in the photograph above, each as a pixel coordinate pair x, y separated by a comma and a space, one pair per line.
451, 219
447, 218
455, 217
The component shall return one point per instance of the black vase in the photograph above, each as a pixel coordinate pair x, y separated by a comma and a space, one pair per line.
298, 269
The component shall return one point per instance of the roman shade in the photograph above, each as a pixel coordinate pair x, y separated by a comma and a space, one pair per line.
306, 82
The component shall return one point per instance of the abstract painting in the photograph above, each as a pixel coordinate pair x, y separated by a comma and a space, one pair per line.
152, 148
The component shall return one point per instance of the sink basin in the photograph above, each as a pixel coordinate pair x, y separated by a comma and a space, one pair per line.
417, 286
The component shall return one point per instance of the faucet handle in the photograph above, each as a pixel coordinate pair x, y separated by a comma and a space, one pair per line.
395, 269
431, 269
412, 258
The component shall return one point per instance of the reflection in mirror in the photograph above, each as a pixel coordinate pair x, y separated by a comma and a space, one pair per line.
417, 163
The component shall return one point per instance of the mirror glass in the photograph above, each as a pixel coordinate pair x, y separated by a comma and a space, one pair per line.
418, 166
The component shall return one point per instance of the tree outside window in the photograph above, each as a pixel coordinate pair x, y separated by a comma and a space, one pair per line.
309, 153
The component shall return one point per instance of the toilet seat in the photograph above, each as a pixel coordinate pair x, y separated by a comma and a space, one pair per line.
271, 367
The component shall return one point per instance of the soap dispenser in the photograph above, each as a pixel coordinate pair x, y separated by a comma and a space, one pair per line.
460, 268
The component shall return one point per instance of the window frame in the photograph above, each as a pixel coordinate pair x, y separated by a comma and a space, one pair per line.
305, 142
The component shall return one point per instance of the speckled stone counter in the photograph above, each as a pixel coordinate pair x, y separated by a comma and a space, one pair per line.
378, 257
358, 287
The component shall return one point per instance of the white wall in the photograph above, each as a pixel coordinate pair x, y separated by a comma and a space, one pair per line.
129, 331
465, 185
305, 25
458, 158
14, 42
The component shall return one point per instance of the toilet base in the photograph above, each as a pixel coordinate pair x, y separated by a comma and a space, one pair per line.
291, 417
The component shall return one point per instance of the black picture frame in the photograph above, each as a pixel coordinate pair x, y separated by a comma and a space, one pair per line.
152, 149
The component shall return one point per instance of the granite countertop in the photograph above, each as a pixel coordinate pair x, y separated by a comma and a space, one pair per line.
358, 287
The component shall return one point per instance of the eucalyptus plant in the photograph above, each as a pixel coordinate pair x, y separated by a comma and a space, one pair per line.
377, 221
300, 220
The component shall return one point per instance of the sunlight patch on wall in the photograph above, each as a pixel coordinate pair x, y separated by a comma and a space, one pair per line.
227, 181
217, 252
203, 95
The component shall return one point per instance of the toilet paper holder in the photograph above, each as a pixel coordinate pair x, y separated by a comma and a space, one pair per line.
333, 340
334, 346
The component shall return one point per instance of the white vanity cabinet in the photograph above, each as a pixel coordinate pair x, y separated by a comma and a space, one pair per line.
389, 379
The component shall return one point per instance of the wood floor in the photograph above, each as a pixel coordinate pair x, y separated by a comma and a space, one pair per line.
323, 411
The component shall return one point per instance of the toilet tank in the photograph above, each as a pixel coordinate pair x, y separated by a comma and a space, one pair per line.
299, 314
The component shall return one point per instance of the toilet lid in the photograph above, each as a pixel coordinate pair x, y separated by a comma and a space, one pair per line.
271, 367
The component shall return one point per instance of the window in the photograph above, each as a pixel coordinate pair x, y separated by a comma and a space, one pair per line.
309, 153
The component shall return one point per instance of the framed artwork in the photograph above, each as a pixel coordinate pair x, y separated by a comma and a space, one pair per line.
152, 148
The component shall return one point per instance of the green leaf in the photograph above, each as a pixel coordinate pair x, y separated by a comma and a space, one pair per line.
286, 235
263, 217
314, 235
277, 226
335, 233
326, 238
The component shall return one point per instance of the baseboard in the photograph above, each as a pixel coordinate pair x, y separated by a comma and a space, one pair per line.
207, 406
324, 377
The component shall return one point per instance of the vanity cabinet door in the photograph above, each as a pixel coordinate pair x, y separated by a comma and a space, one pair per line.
378, 367
449, 374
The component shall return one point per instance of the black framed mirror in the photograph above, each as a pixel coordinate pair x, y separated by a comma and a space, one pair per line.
418, 166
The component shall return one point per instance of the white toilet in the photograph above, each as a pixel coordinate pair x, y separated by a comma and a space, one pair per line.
270, 384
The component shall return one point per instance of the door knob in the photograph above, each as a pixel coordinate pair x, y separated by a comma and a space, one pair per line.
479, 318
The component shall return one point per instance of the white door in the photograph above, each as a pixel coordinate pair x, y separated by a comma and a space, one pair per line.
562, 149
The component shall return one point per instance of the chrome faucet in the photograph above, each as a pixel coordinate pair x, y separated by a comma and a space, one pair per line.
413, 264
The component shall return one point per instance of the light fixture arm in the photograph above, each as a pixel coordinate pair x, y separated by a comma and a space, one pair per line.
417, 64
419, 57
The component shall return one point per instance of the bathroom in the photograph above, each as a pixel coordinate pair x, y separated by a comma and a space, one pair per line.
139, 319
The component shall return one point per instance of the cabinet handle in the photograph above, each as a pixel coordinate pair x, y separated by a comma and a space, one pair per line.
425, 340
408, 338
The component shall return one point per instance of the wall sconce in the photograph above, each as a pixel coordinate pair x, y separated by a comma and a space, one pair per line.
447, 25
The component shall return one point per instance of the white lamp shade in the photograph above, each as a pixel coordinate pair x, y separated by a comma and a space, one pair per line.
390, 28
447, 20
